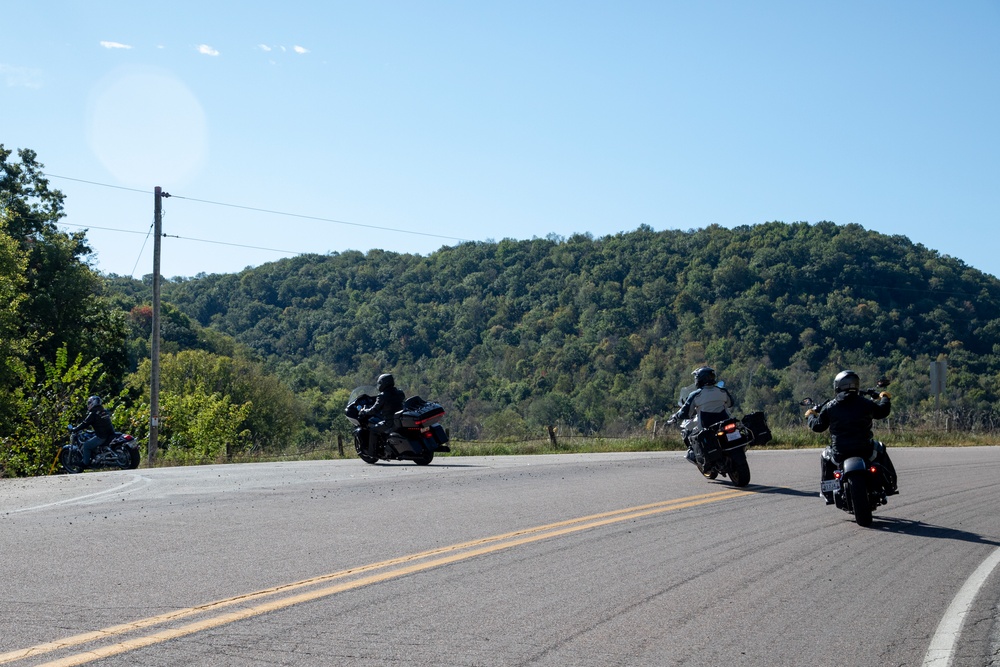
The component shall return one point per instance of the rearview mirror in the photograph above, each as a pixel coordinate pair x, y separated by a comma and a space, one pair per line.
806, 402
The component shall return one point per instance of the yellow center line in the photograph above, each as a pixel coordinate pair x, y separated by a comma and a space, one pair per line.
456, 553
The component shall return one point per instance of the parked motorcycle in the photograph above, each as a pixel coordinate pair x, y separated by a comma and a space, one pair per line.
122, 453
724, 444
415, 435
859, 483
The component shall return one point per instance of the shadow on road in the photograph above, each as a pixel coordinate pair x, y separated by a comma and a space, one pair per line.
781, 491
921, 529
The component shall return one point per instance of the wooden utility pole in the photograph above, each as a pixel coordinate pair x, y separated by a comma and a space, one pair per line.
154, 352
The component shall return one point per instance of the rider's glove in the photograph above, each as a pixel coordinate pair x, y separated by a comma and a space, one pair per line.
884, 394
811, 413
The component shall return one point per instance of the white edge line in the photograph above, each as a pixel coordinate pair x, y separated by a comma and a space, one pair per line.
941, 650
135, 479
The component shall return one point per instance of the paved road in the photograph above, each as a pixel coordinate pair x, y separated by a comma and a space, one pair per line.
622, 559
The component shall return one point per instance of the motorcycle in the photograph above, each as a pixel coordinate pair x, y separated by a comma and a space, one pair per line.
859, 483
723, 445
415, 435
122, 453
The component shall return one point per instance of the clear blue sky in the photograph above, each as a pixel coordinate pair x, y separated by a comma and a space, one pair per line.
486, 120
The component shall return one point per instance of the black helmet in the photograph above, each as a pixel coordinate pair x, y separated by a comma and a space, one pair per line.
93, 402
385, 381
846, 381
704, 376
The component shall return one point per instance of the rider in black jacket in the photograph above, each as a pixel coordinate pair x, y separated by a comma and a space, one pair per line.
849, 417
388, 402
100, 420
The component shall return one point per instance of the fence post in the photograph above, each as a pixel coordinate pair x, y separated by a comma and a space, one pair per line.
340, 444
552, 436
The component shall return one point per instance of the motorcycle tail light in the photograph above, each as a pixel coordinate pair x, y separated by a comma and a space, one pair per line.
729, 428
872, 470
837, 474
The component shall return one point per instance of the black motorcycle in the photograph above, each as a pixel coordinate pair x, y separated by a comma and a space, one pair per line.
415, 435
859, 484
723, 445
122, 453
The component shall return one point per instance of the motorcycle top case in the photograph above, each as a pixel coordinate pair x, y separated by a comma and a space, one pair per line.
757, 423
418, 413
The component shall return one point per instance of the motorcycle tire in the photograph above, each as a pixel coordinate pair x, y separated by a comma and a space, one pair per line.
133, 458
858, 492
740, 472
124, 459
425, 459
363, 452
71, 461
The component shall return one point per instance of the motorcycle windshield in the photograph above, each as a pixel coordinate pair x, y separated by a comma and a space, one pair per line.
363, 390
684, 393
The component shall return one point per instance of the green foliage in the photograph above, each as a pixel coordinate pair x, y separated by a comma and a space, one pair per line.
598, 335
200, 427
61, 301
54, 403
272, 421
13, 348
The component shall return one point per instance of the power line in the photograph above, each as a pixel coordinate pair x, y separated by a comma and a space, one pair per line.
264, 210
144, 242
188, 238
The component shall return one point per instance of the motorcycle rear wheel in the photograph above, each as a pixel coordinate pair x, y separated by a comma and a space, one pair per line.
133, 458
71, 461
740, 472
425, 459
124, 458
858, 491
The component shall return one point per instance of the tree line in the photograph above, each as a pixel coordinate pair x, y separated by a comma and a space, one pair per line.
594, 335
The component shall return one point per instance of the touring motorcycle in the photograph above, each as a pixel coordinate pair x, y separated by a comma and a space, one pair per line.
122, 453
724, 444
859, 483
415, 435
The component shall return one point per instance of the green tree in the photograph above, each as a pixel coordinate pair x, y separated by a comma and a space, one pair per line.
55, 402
62, 304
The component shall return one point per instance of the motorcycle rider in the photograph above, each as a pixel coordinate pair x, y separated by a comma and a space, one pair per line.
849, 417
98, 419
388, 402
708, 404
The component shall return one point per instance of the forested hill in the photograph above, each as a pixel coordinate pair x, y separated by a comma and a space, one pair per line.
599, 334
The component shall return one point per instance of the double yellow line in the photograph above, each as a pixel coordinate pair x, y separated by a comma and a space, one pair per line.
282, 597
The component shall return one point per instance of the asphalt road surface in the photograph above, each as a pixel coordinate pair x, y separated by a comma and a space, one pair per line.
583, 560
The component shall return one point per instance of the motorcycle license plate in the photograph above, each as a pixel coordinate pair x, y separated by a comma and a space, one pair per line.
735, 435
828, 485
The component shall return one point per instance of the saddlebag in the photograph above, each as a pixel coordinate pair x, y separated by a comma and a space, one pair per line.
710, 447
439, 434
757, 423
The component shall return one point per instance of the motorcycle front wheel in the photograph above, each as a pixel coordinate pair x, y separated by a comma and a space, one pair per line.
363, 452
71, 461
